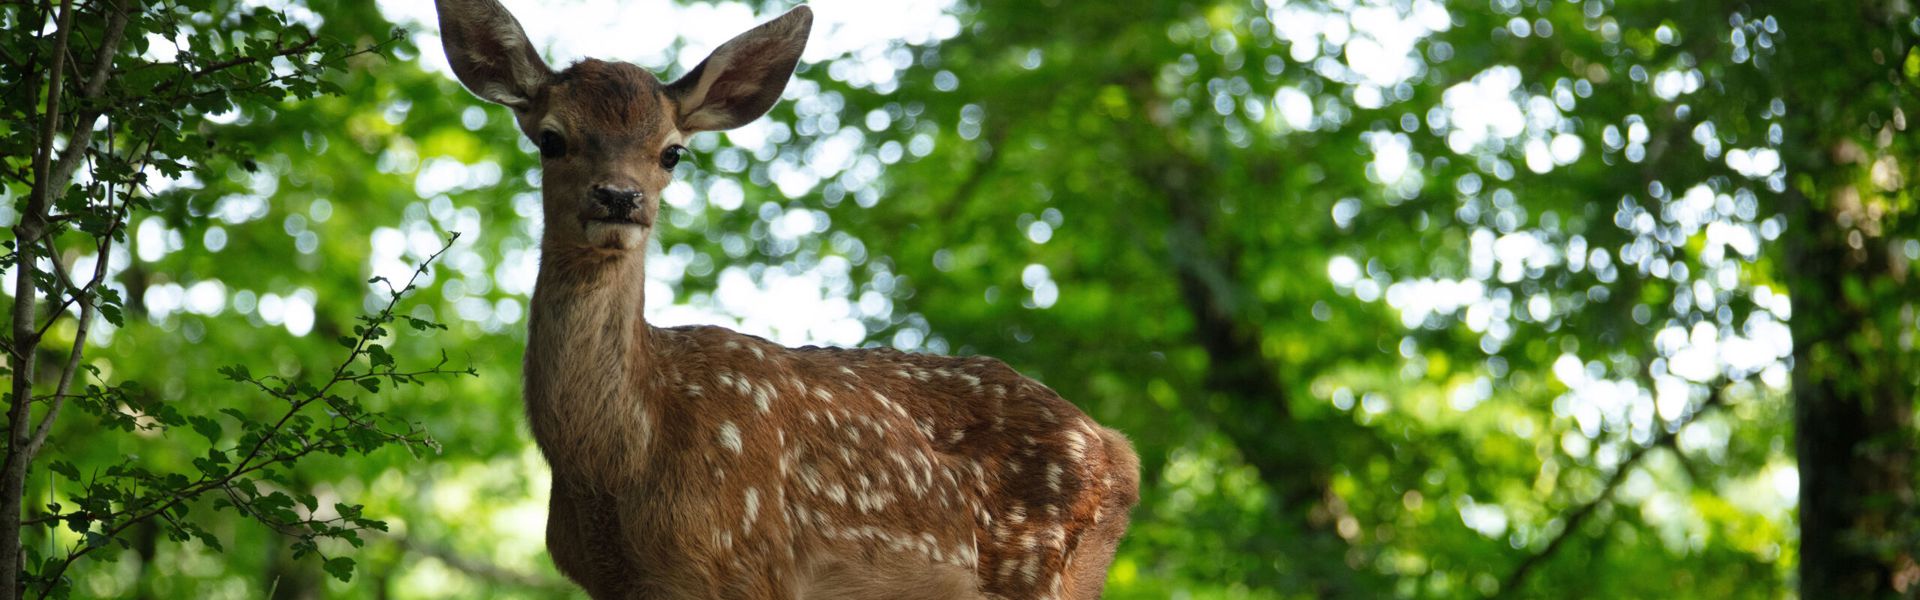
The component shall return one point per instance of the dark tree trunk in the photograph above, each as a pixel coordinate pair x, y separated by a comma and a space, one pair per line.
1256, 413
1853, 382
1853, 420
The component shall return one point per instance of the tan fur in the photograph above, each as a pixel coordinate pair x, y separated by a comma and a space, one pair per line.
698, 462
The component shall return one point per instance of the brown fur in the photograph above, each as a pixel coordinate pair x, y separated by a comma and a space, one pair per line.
697, 462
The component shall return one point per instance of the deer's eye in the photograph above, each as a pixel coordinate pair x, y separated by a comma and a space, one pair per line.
672, 156
552, 145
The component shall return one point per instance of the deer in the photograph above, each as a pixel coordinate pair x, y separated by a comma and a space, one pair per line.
699, 462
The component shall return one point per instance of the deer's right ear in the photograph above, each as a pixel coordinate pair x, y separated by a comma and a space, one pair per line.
490, 53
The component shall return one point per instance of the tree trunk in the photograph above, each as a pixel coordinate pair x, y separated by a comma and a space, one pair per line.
1853, 389
1853, 418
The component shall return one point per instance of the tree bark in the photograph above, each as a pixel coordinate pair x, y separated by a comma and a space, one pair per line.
1853, 419
1853, 387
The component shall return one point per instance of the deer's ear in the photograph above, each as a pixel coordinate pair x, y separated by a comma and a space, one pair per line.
744, 77
490, 53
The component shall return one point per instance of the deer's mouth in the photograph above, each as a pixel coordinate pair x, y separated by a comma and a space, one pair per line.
615, 221
613, 231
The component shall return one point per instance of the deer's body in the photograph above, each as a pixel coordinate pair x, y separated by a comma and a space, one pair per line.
702, 463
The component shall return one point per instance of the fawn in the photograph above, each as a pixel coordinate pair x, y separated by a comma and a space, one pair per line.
697, 462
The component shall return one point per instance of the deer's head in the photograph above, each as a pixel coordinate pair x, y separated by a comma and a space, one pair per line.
610, 133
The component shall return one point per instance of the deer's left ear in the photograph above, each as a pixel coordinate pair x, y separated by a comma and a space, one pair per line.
743, 78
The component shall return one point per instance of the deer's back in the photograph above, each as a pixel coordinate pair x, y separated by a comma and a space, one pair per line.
822, 456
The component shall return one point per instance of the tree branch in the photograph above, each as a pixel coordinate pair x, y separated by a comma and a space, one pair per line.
477, 568
96, 84
254, 460
1580, 515
231, 63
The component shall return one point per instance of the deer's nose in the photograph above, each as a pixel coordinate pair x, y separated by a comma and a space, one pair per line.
617, 198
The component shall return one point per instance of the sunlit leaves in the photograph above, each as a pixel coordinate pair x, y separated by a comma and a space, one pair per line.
247, 474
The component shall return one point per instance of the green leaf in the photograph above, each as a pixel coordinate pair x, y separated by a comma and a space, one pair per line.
64, 469
206, 427
208, 539
340, 567
379, 356
236, 373
112, 314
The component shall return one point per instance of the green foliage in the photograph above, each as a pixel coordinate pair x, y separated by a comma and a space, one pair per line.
1395, 298
134, 126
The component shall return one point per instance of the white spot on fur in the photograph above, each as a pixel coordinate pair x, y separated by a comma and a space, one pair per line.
810, 477
763, 398
730, 437
1076, 446
752, 501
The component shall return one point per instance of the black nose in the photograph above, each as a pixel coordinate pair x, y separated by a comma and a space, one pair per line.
616, 198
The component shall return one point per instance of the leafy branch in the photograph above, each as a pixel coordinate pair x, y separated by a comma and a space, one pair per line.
317, 418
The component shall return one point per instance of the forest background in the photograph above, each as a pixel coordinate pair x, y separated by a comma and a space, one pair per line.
1591, 298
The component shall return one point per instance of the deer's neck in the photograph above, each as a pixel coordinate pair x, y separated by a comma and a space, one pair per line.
588, 361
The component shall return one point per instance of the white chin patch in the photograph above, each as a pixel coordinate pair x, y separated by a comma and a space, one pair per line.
614, 235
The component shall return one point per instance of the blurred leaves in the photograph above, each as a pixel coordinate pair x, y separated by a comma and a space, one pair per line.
1386, 292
